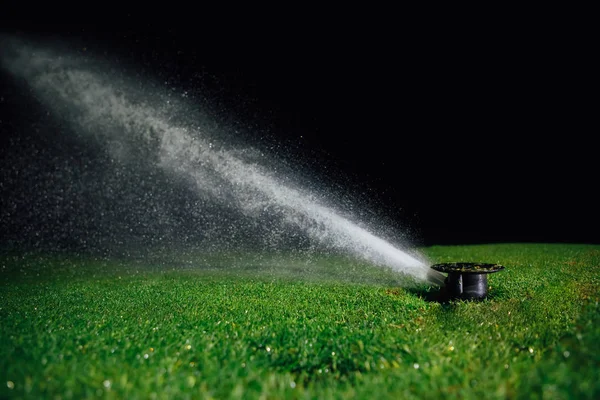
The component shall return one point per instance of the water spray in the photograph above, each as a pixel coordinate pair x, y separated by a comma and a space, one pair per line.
127, 119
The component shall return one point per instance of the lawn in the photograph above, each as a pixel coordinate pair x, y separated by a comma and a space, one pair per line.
219, 327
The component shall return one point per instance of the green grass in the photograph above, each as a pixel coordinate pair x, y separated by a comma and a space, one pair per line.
76, 327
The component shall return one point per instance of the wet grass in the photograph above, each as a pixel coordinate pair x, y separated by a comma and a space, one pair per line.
79, 327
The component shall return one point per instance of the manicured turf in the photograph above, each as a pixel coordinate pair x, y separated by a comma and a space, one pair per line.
74, 327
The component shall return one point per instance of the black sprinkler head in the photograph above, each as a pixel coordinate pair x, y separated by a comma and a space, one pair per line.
467, 281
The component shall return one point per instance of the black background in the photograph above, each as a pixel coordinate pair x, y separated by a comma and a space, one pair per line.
462, 136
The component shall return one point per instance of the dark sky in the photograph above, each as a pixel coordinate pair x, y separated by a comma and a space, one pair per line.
466, 139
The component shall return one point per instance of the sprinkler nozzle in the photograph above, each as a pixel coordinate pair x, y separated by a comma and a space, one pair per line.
467, 281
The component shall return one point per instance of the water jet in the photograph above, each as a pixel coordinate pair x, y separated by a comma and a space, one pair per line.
150, 145
466, 280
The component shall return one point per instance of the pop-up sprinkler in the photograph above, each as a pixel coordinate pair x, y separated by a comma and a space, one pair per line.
467, 281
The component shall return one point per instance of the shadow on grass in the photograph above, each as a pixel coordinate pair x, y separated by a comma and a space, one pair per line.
430, 294
440, 295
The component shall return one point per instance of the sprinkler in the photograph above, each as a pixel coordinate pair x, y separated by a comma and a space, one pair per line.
466, 281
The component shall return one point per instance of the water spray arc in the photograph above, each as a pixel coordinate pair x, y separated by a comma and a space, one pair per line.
119, 118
